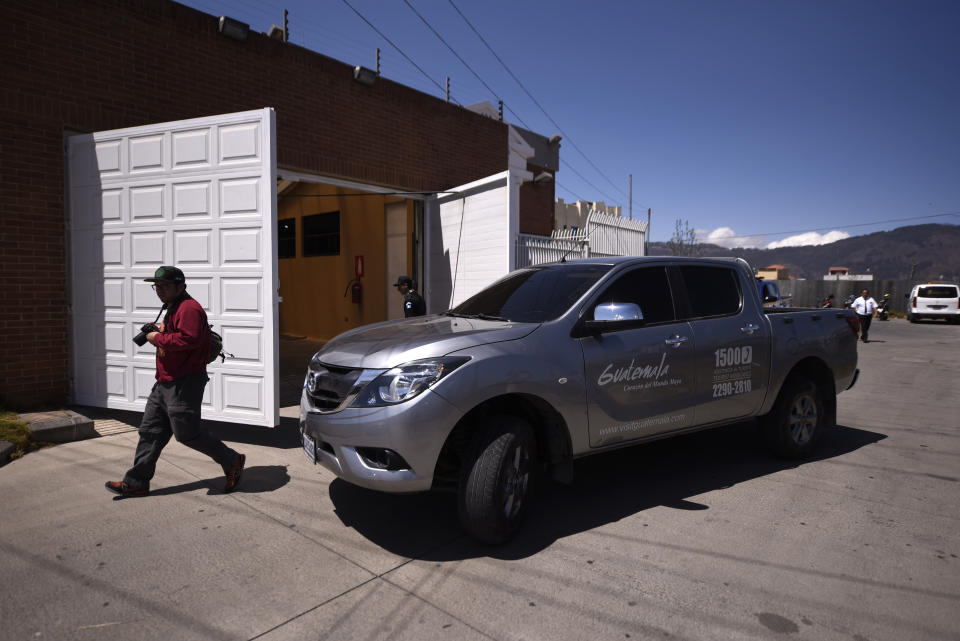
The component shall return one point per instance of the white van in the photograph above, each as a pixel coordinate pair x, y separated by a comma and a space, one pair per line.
934, 300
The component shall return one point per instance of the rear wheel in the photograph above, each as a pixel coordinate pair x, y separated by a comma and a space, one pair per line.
797, 420
911, 318
496, 479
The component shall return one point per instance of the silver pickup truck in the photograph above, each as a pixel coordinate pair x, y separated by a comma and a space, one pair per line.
559, 361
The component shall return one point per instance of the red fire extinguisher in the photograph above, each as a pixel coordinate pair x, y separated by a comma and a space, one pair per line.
356, 291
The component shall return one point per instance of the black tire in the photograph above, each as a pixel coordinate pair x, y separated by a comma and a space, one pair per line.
496, 480
911, 318
797, 420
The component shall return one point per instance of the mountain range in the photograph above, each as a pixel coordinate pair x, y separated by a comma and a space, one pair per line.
916, 252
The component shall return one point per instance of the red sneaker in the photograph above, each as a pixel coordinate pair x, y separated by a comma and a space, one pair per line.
234, 474
121, 488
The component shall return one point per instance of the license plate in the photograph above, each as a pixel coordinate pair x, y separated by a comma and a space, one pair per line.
309, 447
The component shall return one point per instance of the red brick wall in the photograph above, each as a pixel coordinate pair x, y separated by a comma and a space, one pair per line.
107, 64
536, 204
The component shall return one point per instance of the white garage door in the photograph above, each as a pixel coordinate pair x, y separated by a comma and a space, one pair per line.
199, 194
470, 231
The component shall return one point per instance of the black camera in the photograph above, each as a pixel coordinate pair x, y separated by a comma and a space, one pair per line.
141, 338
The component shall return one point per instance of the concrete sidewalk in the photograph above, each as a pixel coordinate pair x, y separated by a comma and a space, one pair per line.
77, 423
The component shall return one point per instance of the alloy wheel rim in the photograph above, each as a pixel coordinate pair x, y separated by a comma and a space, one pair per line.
515, 483
803, 419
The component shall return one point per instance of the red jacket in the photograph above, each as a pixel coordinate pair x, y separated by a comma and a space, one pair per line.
184, 344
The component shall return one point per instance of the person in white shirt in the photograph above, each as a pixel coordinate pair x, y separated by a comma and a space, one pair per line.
866, 308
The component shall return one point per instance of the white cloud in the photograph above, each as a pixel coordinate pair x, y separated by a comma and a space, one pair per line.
728, 238
725, 237
809, 238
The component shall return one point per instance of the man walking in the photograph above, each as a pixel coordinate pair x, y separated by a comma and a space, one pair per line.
413, 303
173, 407
865, 308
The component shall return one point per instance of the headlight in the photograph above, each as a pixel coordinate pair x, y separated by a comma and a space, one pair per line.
406, 381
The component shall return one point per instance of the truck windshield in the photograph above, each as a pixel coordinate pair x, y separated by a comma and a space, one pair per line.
532, 295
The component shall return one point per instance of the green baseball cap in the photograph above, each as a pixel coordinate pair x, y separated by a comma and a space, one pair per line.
167, 273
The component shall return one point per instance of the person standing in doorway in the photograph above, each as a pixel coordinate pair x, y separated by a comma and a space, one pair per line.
865, 308
413, 303
173, 408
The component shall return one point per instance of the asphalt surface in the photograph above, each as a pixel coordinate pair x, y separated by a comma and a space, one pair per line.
700, 537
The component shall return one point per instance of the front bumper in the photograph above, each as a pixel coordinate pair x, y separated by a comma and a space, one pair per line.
415, 430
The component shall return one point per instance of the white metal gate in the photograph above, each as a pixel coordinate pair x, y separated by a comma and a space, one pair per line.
199, 194
470, 233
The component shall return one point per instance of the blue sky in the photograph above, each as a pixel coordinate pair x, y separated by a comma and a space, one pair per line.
757, 120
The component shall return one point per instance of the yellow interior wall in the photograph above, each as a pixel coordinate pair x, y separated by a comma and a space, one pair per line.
312, 288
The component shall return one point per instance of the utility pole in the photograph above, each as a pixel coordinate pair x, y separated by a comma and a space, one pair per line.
448, 88
286, 27
378, 61
646, 236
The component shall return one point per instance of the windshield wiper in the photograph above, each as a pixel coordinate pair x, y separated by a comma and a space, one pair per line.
480, 316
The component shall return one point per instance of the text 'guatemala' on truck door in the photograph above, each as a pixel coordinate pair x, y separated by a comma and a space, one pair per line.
639, 380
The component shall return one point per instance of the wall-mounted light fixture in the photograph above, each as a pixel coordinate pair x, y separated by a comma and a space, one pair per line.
233, 29
543, 177
364, 76
555, 138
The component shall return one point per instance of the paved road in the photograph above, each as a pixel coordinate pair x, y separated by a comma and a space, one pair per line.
702, 537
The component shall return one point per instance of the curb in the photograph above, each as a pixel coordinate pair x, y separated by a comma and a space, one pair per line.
5, 448
61, 426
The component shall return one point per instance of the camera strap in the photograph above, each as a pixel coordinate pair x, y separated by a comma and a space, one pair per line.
158, 313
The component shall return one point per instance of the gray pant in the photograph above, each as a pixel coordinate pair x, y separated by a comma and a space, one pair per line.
173, 409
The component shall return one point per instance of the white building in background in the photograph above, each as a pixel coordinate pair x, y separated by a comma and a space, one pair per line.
843, 273
574, 215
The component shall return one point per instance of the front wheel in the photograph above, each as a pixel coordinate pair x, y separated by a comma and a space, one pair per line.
796, 422
496, 479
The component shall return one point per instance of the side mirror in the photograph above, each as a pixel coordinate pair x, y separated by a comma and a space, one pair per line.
610, 317
617, 311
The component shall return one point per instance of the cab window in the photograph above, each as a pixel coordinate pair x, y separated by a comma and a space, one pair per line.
646, 287
711, 291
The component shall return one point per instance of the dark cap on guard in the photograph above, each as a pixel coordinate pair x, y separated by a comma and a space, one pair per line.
404, 280
168, 274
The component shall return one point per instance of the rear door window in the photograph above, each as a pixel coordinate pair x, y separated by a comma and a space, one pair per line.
711, 290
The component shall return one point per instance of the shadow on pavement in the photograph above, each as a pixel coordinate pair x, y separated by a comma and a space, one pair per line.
607, 488
256, 479
284, 436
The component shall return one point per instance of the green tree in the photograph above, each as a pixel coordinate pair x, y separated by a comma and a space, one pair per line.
684, 240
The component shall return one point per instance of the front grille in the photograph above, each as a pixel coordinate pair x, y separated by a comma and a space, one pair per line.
328, 386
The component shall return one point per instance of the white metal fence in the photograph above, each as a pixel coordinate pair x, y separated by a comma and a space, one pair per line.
605, 235
615, 235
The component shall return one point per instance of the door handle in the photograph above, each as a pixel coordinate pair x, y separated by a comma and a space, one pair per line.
750, 328
676, 341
